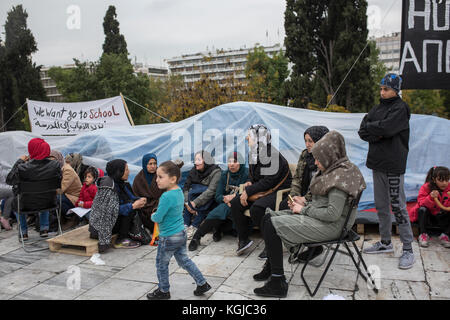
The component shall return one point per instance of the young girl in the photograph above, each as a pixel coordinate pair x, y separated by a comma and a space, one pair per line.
427, 212
89, 189
172, 235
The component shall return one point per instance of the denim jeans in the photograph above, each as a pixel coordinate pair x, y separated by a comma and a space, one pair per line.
175, 245
43, 221
202, 211
66, 204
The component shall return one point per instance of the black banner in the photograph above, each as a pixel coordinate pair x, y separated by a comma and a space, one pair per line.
425, 52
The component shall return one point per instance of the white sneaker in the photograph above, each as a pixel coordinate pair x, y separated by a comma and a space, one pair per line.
190, 232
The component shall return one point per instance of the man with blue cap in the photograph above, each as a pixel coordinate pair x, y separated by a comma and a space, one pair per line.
386, 128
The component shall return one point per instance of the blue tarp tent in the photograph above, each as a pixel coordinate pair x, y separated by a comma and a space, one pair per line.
223, 129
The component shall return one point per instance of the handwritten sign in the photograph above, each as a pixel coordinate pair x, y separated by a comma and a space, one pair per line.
425, 53
68, 119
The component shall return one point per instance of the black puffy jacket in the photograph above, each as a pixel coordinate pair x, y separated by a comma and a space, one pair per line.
35, 171
386, 128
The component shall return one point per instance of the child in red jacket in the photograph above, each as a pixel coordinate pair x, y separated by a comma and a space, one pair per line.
427, 212
89, 188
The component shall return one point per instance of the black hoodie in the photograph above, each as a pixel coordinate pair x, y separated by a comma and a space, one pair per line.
386, 128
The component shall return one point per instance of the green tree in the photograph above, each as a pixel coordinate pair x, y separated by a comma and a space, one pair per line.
266, 76
426, 102
20, 76
377, 70
114, 41
323, 40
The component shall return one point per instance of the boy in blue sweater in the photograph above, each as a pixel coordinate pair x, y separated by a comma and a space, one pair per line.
172, 235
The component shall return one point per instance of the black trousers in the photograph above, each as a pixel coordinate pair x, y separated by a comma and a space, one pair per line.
428, 221
274, 246
209, 225
257, 212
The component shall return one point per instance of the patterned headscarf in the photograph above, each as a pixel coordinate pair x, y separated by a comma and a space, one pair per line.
58, 157
262, 139
316, 132
339, 172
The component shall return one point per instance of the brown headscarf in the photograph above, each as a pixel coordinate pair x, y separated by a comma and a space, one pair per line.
75, 160
340, 173
58, 157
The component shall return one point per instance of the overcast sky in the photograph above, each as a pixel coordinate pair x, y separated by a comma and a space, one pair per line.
160, 29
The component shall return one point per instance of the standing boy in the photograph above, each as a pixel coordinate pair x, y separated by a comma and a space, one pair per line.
386, 128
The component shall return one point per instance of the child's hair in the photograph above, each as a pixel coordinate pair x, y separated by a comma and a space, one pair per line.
171, 169
440, 173
93, 171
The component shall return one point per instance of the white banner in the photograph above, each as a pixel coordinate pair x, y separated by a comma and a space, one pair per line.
68, 119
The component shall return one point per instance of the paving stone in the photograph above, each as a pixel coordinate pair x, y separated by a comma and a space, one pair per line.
22, 280
120, 257
89, 278
393, 290
436, 260
49, 292
439, 283
56, 262
297, 292
23, 258
8, 267
219, 295
144, 270
215, 265
117, 289
182, 287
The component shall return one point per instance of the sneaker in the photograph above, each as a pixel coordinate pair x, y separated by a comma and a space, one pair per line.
5, 224
443, 239
379, 247
263, 255
264, 274
25, 237
202, 289
126, 244
158, 295
194, 244
423, 240
243, 246
276, 287
43, 233
190, 232
406, 260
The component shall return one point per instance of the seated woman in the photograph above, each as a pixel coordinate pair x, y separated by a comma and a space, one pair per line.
36, 167
268, 172
144, 185
304, 172
70, 190
76, 162
321, 219
200, 190
220, 217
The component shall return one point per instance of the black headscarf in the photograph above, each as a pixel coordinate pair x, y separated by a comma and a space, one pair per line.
316, 133
196, 175
116, 169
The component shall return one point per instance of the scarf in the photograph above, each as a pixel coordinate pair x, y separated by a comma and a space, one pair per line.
238, 177
115, 169
58, 157
259, 151
145, 159
75, 160
339, 172
316, 132
38, 149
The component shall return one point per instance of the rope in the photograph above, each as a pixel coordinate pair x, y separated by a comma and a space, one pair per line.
147, 109
1, 129
367, 43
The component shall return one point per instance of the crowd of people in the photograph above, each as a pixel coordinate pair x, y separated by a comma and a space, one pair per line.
210, 200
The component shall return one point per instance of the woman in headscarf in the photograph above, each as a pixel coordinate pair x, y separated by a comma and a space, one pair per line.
304, 172
268, 172
200, 190
76, 161
219, 219
321, 219
144, 185
128, 202
35, 167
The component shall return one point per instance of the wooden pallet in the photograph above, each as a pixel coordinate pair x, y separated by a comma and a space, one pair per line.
76, 242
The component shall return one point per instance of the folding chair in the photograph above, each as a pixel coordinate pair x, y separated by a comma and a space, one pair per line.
42, 187
345, 237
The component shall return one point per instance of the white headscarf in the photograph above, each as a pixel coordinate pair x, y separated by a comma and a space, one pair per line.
262, 139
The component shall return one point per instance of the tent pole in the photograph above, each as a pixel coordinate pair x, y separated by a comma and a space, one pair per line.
126, 109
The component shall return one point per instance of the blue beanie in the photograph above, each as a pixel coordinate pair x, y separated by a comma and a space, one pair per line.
393, 81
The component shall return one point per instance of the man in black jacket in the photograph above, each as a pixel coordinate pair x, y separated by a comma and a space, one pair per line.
36, 168
386, 128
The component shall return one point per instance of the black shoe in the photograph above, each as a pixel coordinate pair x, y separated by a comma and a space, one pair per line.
194, 244
263, 255
43, 233
158, 295
304, 255
264, 274
243, 245
25, 237
217, 236
202, 289
276, 287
